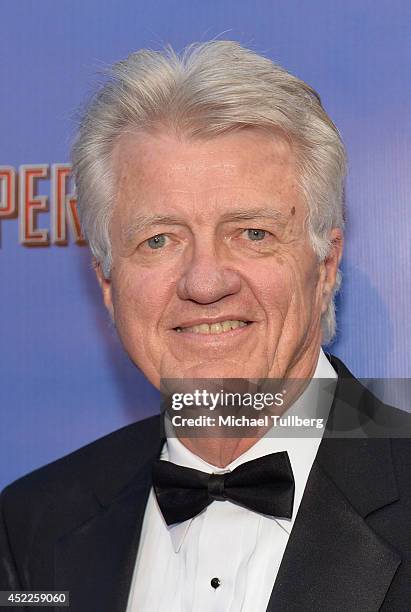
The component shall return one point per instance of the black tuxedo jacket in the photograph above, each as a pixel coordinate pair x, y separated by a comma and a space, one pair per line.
75, 524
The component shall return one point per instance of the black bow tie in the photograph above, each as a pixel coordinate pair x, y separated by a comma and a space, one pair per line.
265, 485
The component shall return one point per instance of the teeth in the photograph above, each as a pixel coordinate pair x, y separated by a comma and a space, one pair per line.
214, 328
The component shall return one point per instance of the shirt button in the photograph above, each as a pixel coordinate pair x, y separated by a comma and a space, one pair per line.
215, 582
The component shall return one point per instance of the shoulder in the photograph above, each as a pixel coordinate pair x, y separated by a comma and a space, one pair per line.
357, 410
375, 433
74, 476
42, 507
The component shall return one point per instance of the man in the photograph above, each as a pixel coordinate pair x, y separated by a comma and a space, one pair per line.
211, 191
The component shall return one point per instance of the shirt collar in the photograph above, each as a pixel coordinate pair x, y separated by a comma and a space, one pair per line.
301, 450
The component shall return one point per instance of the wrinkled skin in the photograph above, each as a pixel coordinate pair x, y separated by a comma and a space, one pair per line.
208, 266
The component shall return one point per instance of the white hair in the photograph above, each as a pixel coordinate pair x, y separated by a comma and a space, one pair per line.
207, 90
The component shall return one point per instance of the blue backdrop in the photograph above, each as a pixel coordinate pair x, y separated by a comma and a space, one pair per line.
64, 378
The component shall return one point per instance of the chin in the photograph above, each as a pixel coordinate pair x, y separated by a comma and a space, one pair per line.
221, 369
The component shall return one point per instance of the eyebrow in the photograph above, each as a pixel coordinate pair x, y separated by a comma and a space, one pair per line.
142, 222
244, 214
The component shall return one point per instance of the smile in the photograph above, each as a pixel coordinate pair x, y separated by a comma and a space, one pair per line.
214, 328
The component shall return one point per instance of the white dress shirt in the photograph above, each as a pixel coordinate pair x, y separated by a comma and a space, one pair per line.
243, 549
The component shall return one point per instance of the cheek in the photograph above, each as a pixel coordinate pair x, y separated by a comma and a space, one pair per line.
286, 284
139, 300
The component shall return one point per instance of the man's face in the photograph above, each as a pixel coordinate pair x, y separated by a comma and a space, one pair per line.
213, 273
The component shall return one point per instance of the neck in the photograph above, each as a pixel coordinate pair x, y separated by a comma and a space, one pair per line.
220, 450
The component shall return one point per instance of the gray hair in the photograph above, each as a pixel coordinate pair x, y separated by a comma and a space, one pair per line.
209, 89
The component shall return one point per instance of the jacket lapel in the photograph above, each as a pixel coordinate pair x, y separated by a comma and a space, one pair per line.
334, 560
95, 561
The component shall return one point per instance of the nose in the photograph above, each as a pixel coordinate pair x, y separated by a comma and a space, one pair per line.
207, 279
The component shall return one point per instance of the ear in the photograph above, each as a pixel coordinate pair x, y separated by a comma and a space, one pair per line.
105, 285
329, 267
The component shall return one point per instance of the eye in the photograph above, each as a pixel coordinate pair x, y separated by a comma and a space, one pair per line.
156, 242
256, 234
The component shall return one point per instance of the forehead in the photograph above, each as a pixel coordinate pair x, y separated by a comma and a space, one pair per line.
247, 167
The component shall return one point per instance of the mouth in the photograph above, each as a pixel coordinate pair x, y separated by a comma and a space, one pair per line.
215, 328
